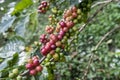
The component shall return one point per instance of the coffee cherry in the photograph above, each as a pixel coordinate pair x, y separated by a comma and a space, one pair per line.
75, 21
61, 54
30, 61
68, 12
51, 41
57, 50
44, 52
56, 57
60, 37
74, 15
33, 72
52, 52
79, 17
52, 63
48, 47
29, 66
43, 7
62, 24
49, 29
53, 46
74, 9
53, 37
78, 11
54, 10
15, 71
40, 7
65, 29
36, 62
46, 60
39, 68
58, 44
70, 24
44, 3
11, 75
62, 33
19, 78
47, 64
49, 56
57, 28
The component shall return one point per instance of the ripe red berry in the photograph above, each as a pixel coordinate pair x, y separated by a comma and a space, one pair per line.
33, 72
65, 29
40, 7
44, 52
52, 42
70, 24
62, 24
74, 15
47, 47
44, 3
74, 9
39, 68
53, 46
49, 29
29, 66
62, 33
60, 37
53, 37
36, 62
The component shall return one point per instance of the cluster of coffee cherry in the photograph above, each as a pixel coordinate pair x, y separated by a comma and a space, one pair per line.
43, 7
56, 36
34, 66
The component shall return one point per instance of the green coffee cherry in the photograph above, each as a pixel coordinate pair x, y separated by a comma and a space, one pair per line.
11, 75
19, 77
15, 71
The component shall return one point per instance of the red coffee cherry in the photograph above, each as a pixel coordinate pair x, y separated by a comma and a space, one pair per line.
39, 68
29, 66
36, 62
62, 24
33, 72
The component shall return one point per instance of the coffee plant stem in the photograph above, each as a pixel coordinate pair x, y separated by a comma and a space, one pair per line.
101, 2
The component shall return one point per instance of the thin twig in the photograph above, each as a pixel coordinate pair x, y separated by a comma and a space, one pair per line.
96, 47
101, 2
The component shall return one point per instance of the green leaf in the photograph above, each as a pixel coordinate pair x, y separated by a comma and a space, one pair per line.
21, 26
6, 24
21, 6
12, 46
9, 61
26, 26
4, 64
14, 60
